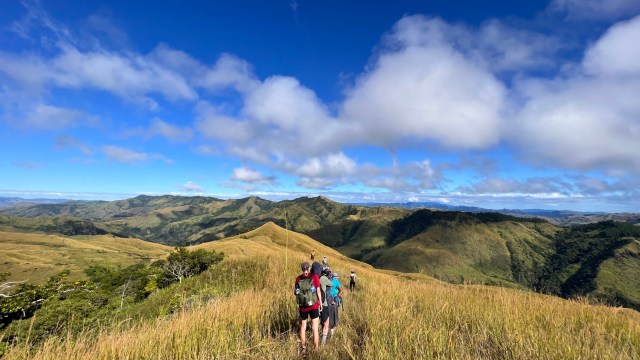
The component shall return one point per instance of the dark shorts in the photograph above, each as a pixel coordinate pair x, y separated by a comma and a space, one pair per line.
313, 314
324, 315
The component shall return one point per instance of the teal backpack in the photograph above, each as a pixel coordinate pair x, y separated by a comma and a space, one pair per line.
306, 293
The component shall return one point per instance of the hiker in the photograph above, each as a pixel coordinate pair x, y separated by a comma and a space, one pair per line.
324, 262
316, 268
352, 280
327, 308
309, 298
337, 298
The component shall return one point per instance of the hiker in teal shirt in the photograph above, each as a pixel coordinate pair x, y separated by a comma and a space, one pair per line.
337, 296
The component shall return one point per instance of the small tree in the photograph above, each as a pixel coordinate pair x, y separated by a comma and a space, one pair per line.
29, 297
5, 287
183, 263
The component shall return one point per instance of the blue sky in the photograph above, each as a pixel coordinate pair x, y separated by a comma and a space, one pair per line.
497, 104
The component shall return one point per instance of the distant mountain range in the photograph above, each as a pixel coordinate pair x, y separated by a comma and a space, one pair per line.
557, 217
524, 249
10, 201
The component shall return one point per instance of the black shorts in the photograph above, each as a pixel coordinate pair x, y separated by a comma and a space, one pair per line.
313, 314
324, 315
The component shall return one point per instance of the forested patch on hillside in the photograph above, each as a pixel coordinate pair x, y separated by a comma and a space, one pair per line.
579, 252
420, 220
31, 313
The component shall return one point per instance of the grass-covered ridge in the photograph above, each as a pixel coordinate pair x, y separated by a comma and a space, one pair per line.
243, 309
459, 247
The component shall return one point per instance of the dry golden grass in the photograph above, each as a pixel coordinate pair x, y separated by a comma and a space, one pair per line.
37, 257
272, 240
389, 316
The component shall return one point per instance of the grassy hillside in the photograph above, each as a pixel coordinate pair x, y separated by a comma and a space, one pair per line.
460, 247
37, 257
480, 248
390, 316
175, 220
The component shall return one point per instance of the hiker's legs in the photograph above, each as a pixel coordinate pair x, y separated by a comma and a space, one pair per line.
314, 330
303, 333
324, 322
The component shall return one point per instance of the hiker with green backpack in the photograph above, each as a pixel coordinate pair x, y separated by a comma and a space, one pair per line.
309, 298
327, 304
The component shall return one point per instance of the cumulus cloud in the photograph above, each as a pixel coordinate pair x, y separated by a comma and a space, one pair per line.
213, 123
423, 88
191, 187
617, 52
229, 71
415, 176
589, 120
332, 165
248, 175
503, 48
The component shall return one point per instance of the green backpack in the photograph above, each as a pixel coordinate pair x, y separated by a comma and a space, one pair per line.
306, 293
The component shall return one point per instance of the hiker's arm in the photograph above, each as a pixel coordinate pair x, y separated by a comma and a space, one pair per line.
340, 291
319, 297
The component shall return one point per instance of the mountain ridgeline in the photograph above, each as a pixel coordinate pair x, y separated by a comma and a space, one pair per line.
599, 260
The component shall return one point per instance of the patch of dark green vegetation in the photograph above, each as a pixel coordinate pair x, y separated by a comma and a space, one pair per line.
420, 220
364, 252
31, 313
579, 252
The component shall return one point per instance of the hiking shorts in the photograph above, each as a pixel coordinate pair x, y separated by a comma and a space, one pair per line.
324, 315
313, 314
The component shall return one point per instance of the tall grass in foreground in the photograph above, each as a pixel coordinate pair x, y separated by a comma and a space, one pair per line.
388, 317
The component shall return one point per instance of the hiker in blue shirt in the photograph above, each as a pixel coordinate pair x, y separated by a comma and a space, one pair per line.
327, 304
337, 296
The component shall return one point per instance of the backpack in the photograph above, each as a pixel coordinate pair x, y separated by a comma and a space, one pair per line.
327, 295
306, 293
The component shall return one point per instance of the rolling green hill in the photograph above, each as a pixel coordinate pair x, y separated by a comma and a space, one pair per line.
460, 247
241, 308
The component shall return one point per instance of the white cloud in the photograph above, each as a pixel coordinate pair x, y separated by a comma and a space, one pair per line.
229, 71
132, 77
213, 124
316, 183
617, 52
159, 127
423, 88
47, 117
191, 187
503, 48
123, 155
412, 177
597, 9
498, 185
332, 165
119, 154
589, 120
251, 176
